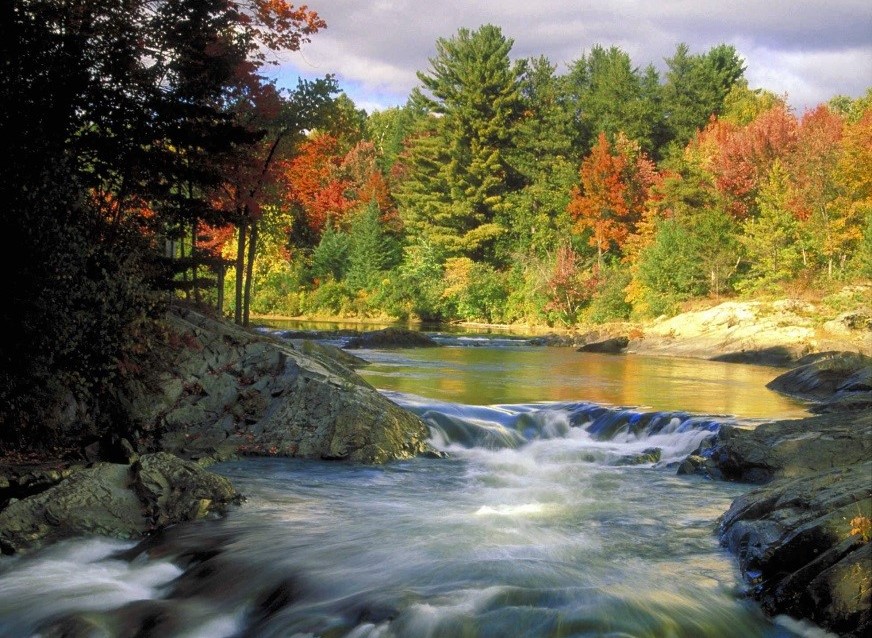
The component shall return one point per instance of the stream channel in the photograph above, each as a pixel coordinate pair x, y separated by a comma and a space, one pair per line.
557, 513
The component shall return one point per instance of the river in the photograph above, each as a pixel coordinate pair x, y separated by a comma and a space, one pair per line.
557, 513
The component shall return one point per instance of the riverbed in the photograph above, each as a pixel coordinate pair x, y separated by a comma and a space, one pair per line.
558, 512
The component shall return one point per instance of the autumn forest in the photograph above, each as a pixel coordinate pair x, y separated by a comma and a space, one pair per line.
152, 159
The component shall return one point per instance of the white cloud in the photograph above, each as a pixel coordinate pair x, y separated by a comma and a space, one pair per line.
810, 49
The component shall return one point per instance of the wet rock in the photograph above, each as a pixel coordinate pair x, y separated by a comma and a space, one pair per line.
791, 448
827, 375
96, 501
326, 354
803, 540
391, 338
123, 501
174, 491
803, 545
776, 356
608, 346
650, 455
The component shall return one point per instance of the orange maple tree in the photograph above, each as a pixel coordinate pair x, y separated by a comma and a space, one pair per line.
612, 194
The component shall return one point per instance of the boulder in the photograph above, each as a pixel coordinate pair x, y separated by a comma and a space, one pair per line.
391, 338
803, 540
790, 448
123, 501
251, 394
825, 376
803, 545
614, 345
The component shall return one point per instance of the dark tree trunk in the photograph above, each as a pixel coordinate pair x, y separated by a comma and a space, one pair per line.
240, 271
249, 273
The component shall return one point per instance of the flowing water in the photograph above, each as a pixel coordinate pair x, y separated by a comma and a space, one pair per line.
557, 513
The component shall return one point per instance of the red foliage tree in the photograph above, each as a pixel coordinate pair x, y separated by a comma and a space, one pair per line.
612, 194
744, 156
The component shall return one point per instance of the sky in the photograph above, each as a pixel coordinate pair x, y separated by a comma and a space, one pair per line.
806, 50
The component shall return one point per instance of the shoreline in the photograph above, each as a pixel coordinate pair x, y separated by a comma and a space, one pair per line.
772, 333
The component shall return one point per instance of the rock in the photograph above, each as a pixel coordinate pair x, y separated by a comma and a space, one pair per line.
391, 338
791, 448
803, 545
608, 346
833, 381
776, 356
823, 375
326, 354
175, 491
649, 455
123, 501
248, 393
803, 540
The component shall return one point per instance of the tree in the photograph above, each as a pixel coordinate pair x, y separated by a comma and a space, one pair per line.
280, 122
371, 250
476, 89
613, 97
669, 270
813, 165
772, 239
116, 117
612, 194
568, 286
696, 88
330, 257
744, 155
545, 159
854, 187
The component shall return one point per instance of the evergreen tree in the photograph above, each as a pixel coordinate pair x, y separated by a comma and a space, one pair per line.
696, 88
371, 251
330, 257
611, 96
545, 157
474, 86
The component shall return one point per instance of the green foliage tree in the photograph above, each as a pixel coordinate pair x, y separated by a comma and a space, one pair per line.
544, 156
475, 88
330, 256
697, 87
773, 240
371, 251
612, 96
669, 269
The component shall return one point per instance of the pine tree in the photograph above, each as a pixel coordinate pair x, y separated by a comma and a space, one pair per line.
371, 251
696, 88
474, 86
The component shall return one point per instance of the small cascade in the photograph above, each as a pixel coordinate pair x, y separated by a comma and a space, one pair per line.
609, 435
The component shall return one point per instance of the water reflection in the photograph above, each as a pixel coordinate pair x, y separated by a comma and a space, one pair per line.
485, 376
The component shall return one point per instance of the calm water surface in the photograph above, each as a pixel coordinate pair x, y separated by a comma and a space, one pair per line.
544, 521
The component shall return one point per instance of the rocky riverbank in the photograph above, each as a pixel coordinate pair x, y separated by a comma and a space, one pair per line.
776, 333
803, 539
230, 392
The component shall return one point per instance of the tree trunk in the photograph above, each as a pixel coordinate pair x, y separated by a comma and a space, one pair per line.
184, 270
219, 306
194, 268
249, 273
240, 271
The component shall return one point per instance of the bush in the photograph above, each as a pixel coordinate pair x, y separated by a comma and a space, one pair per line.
609, 302
331, 297
669, 270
